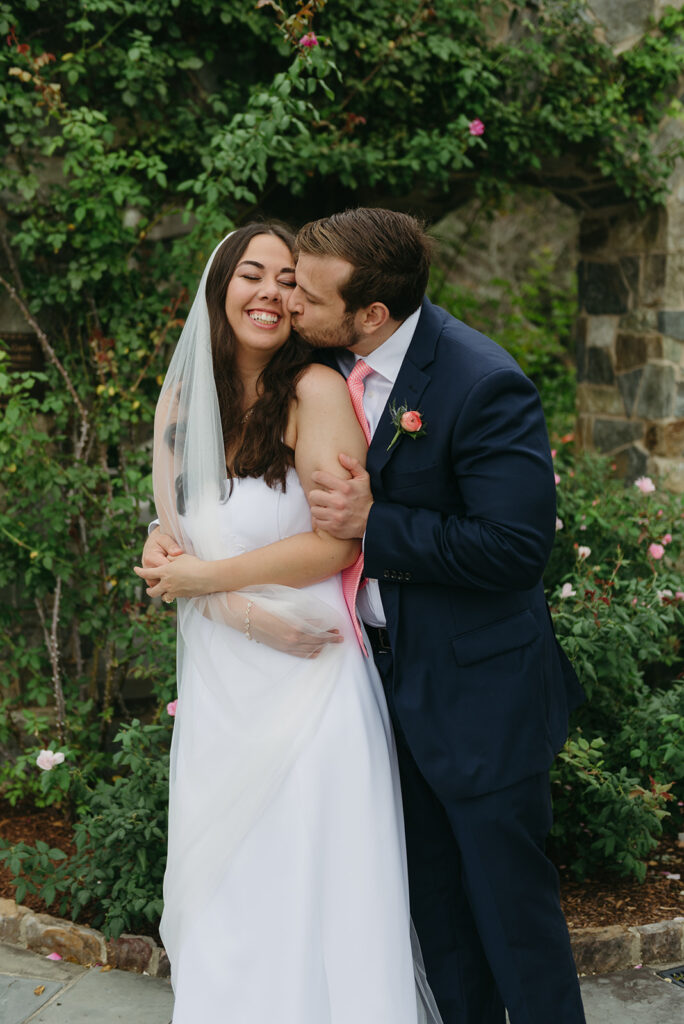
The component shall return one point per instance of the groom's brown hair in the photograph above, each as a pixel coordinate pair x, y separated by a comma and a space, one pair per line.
389, 253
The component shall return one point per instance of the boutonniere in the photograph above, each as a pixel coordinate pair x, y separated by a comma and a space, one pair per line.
406, 421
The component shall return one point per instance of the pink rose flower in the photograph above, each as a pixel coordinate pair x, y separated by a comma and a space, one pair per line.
309, 40
556, 478
583, 552
645, 484
411, 421
667, 539
635, 602
553, 453
171, 708
48, 759
567, 590
656, 551
659, 514
663, 596
679, 594
559, 524
476, 127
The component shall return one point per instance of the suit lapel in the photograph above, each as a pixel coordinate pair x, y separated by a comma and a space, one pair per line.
410, 384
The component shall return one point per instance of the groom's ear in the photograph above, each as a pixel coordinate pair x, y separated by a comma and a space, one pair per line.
373, 317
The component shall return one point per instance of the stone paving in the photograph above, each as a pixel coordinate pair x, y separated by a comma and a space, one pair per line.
35, 990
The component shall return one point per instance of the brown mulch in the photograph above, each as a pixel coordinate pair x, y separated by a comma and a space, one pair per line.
589, 903
613, 900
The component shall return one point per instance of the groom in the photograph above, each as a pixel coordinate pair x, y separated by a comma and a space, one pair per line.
457, 513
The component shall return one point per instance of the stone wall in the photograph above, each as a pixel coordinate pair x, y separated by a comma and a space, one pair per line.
630, 338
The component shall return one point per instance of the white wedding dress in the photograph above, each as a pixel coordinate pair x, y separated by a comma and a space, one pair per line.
305, 920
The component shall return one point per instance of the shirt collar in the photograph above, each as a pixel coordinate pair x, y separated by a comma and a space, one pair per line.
387, 358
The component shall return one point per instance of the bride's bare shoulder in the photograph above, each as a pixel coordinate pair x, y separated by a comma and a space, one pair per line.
319, 383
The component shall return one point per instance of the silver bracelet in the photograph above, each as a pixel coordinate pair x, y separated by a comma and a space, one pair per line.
247, 623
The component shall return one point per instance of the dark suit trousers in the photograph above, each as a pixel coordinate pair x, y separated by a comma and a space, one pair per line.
484, 899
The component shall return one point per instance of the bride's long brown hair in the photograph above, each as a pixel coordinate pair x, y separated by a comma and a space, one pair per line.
257, 440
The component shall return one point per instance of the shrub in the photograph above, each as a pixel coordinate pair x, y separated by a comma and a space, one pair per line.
602, 819
116, 873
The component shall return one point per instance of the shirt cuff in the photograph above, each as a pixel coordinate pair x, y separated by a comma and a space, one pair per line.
153, 526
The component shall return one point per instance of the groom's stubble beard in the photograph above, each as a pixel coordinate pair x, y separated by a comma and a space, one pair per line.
339, 335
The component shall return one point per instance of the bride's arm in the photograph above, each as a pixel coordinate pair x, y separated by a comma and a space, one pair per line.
325, 425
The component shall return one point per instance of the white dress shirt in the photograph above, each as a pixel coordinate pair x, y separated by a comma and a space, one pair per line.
385, 363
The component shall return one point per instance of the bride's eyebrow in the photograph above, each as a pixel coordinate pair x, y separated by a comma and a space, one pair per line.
253, 263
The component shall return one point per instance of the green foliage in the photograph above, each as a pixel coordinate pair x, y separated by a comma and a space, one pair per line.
120, 837
602, 818
136, 133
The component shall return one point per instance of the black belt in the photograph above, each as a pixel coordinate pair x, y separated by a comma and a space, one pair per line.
379, 639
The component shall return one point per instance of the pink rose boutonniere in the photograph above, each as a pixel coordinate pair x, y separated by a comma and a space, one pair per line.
406, 421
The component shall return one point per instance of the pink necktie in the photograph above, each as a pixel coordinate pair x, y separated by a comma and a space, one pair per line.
351, 576
355, 384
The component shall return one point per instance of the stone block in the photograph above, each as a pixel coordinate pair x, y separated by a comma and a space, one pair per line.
612, 434
628, 384
11, 916
666, 439
603, 289
674, 280
662, 942
44, 934
631, 462
672, 349
130, 952
599, 366
658, 391
632, 350
640, 320
583, 432
599, 950
164, 966
670, 472
679, 401
600, 401
671, 322
601, 331
653, 281
631, 269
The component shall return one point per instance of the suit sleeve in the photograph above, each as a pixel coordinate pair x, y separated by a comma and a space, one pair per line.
504, 475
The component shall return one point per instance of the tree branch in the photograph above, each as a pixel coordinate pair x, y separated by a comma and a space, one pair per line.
52, 644
52, 356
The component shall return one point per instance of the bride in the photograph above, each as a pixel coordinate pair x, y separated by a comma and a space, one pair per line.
285, 891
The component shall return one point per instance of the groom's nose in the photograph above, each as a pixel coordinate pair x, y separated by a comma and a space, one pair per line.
295, 302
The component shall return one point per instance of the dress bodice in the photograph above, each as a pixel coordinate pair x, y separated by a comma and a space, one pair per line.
255, 515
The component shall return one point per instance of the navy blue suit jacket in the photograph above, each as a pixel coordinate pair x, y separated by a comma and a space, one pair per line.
458, 536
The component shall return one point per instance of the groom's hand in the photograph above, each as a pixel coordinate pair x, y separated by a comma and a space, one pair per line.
341, 507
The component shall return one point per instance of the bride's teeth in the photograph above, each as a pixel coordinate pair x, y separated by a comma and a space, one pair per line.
265, 318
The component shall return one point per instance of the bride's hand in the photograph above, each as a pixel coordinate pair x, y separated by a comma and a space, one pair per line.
275, 632
182, 576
